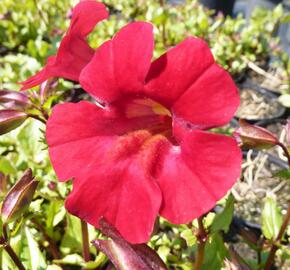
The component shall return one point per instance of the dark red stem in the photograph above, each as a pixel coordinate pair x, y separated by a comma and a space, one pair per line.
201, 237
286, 152
52, 245
86, 244
4, 242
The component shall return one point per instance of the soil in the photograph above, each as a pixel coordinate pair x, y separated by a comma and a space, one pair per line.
255, 105
251, 190
274, 84
258, 180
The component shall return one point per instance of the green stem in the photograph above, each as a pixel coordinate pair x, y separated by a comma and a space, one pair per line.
283, 228
37, 118
274, 246
86, 244
163, 26
201, 236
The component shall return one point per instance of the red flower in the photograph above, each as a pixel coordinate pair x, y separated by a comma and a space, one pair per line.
74, 52
144, 151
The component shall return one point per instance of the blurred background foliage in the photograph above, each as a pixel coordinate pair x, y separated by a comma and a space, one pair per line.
46, 237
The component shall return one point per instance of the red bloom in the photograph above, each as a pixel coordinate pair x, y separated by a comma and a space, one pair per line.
144, 152
74, 52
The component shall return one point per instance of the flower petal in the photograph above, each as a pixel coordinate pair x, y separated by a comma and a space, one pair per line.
85, 15
79, 133
41, 76
194, 176
176, 70
74, 52
123, 193
120, 65
210, 102
188, 81
113, 163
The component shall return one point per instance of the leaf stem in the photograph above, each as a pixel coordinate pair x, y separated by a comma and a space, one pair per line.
86, 245
274, 246
201, 236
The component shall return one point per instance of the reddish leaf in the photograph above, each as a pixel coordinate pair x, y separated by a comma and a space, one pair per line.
124, 255
19, 197
11, 119
253, 136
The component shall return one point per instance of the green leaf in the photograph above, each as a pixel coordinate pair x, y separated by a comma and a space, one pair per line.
208, 219
54, 213
6, 166
215, 252
285, 19
283, 174
189, 237
163, 252
6, 262
53, 267
223, 219
37, 260
271, 218
100, 259
72, 239
71, 259
59, 216
28, 140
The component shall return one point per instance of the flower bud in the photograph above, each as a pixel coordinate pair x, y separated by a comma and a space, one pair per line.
19, 197
252, 136
13, 99
52, 185
124, 255
11, 119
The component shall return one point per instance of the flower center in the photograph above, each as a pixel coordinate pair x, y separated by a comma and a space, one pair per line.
152, 115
